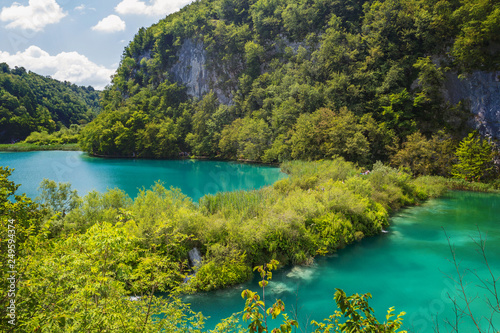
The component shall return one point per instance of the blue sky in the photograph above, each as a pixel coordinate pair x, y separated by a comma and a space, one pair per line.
80, 41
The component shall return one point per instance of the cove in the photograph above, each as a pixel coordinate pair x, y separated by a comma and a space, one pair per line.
406, 268
195, 178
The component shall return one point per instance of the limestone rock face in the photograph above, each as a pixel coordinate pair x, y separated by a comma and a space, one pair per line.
481, 90
192, 71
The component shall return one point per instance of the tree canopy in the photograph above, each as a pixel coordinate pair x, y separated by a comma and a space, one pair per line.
30, 102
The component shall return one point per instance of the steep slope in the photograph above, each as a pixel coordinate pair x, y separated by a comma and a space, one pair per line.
273, 80
31, 102
481, 91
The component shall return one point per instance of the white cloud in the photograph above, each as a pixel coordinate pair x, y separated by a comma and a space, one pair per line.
153, 8
65, 66
83, 9
111, 23
35, 16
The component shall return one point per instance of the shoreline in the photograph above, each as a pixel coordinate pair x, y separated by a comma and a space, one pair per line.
451, 183
26, 147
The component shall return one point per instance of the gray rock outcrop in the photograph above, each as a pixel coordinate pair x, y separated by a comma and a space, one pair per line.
192, 71
481, 91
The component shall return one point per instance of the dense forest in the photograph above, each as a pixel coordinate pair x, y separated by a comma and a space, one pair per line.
33, 103
301, 80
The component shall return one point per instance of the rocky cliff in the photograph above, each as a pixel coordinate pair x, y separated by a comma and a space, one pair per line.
481, 91
192, 71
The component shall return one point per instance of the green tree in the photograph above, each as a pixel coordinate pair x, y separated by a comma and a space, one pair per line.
475, 159
424, 156
245, 138
58, 196
253, 53
21, 221
326, 133
199, 140
97, 207
475, 46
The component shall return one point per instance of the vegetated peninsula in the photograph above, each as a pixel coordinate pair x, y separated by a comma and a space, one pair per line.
354, 97
33, 103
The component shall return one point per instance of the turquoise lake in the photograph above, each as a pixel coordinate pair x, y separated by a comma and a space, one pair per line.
406, 268
194, 177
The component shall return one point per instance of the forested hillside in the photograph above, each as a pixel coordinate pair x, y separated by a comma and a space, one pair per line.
30, 102
309, 79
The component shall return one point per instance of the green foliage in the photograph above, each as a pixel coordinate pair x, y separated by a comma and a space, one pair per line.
58, 196
247, 204
63, 136
319, 208
34, 103
254, 305
222, 267
424, 156
476, 44
18, 147
78, 284
253, 54
21, 220
149, 125
327, 134
201, 138
96, 208
245, 139
464, 185
110, 248
82, 282
475, 159
155, 213
358, 316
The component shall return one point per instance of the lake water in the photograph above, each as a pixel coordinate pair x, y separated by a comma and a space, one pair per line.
194, 177
406, 268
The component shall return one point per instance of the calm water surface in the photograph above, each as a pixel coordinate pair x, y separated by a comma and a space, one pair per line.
405, 268
85, 173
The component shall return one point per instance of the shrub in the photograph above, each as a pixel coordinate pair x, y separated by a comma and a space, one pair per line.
221, 268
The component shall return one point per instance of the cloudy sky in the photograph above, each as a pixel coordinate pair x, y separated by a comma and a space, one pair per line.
80, 41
